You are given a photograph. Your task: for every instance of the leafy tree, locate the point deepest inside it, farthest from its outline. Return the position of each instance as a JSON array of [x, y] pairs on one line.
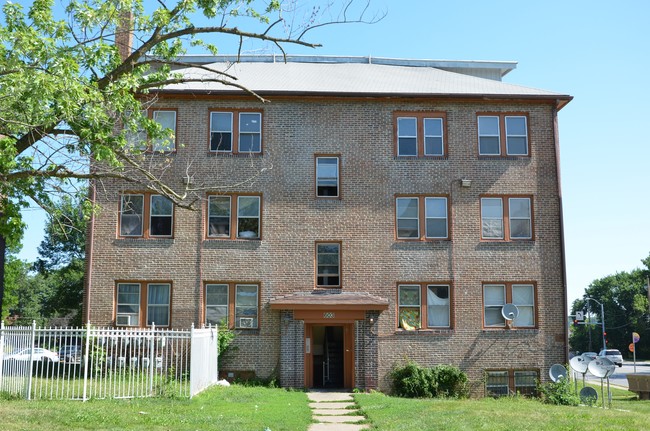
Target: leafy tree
[[625, 302], [72, 100]]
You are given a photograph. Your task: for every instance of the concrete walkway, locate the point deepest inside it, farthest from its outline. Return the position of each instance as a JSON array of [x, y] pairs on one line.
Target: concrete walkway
[[334, 411]]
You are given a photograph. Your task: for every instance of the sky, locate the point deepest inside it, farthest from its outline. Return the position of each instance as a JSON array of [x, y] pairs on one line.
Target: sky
[[596, 51]]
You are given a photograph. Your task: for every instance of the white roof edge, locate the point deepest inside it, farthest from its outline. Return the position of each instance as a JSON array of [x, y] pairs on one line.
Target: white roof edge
[[503, 66]]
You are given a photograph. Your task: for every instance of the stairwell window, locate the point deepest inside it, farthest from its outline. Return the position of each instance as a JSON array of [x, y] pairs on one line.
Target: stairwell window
[[327, 176], [236, 132], [328, 264]]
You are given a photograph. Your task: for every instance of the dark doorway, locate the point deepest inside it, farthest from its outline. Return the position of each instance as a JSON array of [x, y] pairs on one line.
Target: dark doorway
[[328, 356]]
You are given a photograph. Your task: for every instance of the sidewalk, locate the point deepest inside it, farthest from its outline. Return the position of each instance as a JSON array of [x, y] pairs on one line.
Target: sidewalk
[[334, 411]]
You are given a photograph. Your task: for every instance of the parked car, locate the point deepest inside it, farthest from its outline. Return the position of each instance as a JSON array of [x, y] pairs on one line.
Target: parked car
[[70, 353], [613, 355], [590, 355], [40, 354]]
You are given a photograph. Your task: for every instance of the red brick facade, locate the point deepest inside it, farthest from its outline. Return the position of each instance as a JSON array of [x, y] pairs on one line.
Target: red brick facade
[[361, 131]]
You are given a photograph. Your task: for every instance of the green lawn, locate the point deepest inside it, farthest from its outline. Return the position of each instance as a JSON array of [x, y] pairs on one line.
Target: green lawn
[[516, 414], [235, 408], [240, 408]]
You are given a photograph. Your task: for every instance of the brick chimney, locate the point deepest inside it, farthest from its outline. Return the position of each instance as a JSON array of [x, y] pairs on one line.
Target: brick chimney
[[124, 34]]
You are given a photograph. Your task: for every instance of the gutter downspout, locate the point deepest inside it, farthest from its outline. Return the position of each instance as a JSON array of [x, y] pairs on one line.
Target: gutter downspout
[[556, 140], [90, 239]]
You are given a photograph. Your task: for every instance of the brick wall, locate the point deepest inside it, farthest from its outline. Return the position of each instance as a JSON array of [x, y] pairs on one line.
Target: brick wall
[[282, 262]]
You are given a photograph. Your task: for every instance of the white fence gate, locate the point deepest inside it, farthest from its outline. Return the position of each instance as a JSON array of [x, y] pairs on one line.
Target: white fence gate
[[84, 363]]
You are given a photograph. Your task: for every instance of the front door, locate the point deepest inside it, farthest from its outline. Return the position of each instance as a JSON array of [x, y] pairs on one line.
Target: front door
[[329, 356]]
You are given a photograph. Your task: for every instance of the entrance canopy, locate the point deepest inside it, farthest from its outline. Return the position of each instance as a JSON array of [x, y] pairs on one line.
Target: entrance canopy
[[356, 301]]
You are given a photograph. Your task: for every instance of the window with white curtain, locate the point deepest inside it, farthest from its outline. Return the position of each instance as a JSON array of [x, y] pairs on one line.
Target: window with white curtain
[[424, 305], [495, 296], [437, 306], [523, 296], [158, 296]]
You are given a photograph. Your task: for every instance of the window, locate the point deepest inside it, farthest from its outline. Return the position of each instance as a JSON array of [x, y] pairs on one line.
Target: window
[[167, 120], [234, 216], [506, 218], [327, 176], [491, 142], [235, 132], [146, 216], [504, 382], [236, 304], [150, 301], [496, 383], [413, 312], [420, 134], [496, 295], [328, 264], [421, 217]]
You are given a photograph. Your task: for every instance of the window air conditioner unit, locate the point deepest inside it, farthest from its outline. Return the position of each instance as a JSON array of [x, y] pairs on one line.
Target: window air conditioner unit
[[123, 320], [246, 322]]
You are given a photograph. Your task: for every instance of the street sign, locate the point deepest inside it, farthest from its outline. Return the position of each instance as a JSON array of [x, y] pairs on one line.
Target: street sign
[[635, 337], [580, 315], [631, 347]]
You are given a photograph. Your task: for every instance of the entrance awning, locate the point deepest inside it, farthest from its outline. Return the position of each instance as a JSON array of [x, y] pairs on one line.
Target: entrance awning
[[328, 300]]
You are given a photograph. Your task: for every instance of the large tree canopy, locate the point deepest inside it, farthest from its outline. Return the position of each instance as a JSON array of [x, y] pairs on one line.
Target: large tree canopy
[[625, 302], [67, 94]]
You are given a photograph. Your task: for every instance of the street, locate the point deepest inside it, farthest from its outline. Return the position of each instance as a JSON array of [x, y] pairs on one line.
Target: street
[[619, 377]]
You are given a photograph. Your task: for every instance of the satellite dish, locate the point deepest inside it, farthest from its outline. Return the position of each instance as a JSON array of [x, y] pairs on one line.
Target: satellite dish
[[557, 372], [579, 364], [510, 311], [601, 367], [588, 395]]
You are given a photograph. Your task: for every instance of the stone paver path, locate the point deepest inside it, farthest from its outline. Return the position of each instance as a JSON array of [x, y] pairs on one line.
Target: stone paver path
[[333, 411]]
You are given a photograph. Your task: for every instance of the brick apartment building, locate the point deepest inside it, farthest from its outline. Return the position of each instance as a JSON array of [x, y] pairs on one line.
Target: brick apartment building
[[378, 211]]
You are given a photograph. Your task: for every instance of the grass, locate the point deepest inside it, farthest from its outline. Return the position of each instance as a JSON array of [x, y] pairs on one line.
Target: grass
[[234, 408], [392, 414], [257, 408]]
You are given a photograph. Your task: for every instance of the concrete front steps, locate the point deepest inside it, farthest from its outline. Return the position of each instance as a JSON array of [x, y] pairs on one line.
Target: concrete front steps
[[332, 411]]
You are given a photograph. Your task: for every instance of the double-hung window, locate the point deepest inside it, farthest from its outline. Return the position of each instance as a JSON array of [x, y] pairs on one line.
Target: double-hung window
[[235, 304], [506, 218], [328, 264], [422, 217], [424, 305], [492, 141], [236, 132], [146, 215], [327, 176], [143, 304], [496, 295], [234, 216], [420, 134]]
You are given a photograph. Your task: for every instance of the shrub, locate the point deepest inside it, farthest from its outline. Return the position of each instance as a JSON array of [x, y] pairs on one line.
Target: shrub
[[413, 381], [559, 393], [225, 337]]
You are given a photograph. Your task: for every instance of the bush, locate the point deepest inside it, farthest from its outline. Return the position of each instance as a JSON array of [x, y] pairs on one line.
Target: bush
[[560, 393], [225, 337], [413, 381]]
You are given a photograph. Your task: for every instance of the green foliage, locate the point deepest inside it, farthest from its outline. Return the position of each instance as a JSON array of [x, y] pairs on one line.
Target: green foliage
[[625, 303], [560, 393], [225, 337], [413, 381]]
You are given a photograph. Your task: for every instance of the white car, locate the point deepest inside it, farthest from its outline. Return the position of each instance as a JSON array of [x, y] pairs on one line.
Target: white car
[[613, 355], [40, 354]]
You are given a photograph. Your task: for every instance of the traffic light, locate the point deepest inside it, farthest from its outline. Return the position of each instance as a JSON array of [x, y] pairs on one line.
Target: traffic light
[[576, 322]]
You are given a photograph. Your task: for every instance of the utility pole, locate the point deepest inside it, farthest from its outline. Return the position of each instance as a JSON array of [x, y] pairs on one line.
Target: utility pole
[[602, 317]]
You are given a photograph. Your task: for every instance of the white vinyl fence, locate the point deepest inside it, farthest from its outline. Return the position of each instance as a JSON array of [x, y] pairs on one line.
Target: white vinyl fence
[[85, 363]]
